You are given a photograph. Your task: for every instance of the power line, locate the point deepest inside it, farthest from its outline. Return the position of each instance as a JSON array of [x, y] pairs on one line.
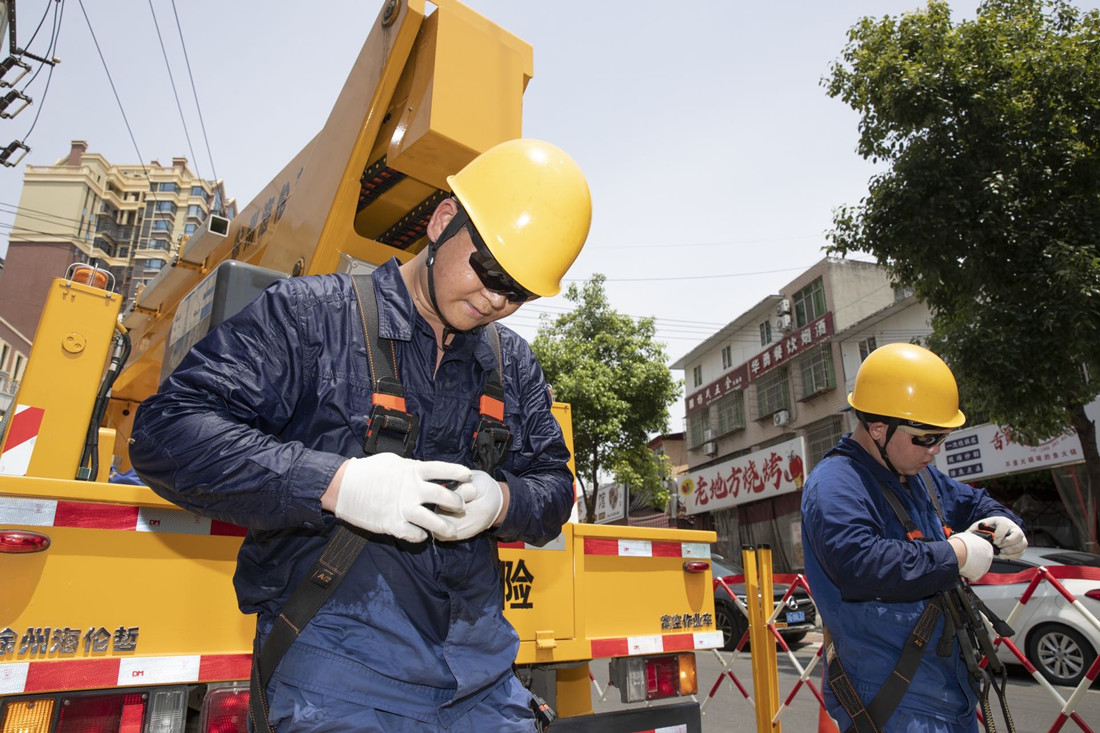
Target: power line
[[195, 92], [113, 89], [172, 80]]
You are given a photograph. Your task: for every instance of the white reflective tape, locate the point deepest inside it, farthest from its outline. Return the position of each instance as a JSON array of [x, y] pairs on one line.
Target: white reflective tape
[[152, 519], [695, 549], [33, 512], [707, 639], [13, 677], [681, 728], [645, 645], [16, 460], [635, 548], [158, 670]]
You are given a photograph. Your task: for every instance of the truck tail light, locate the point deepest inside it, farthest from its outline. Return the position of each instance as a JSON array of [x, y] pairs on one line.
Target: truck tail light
[[654, 677], [28, 716], [225, 710], [121, 712], [155, 710]]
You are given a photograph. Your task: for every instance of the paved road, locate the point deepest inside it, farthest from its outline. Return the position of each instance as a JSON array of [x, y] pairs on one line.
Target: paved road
[[1033, 710]]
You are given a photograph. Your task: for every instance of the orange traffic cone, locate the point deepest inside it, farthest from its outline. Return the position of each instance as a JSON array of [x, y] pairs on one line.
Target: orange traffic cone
[[825, 723]]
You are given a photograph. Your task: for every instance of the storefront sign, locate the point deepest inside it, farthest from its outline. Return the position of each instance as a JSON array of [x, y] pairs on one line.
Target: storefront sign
[[760, 475], [790, 346], [986, 451]]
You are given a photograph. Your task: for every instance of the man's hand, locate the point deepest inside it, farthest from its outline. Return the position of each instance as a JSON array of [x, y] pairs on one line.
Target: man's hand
[[974, 553], [1007, 535], [386, 493], [483, 500]]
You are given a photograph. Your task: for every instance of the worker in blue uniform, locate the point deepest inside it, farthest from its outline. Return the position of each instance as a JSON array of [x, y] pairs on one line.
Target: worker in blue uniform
[[871, 576], [263, 425]]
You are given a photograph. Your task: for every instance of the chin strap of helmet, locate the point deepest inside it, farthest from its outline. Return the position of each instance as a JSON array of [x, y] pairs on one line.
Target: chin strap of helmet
[[453, 227], [891, 428]]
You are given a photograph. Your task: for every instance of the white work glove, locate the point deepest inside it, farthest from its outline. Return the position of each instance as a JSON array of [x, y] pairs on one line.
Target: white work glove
[[1007, 535], [386, 493], [483, 499], [979, 554]]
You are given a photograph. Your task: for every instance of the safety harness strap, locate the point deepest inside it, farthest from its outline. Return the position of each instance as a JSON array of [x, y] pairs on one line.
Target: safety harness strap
[[391, 428]]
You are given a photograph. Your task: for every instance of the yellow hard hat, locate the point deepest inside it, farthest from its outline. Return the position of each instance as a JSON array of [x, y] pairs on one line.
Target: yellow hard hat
[[910, 383], [530, 203]]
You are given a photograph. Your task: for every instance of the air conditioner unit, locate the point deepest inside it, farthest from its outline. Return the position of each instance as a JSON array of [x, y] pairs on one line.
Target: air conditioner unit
[[782, 418], [783, 307], [708, 434], [783, 323], [710, 448]]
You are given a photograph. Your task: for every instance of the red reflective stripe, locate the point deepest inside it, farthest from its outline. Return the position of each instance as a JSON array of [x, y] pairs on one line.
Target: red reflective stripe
[[492, 407], [597, 546], [678, 642], [610, 648], [72, 675], [225, 529], [510, 545], [95, 516], [225, 667], [668, 549]]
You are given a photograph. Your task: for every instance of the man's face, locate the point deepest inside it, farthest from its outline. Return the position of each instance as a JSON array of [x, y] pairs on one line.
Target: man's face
[[460, 294], [904, 449]]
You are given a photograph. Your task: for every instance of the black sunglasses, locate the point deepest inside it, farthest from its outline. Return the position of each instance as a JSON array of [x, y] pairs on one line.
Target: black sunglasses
[[924, 440], [493, 276]]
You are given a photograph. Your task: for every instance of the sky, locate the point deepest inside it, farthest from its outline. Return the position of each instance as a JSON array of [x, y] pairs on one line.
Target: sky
[[714, 155]]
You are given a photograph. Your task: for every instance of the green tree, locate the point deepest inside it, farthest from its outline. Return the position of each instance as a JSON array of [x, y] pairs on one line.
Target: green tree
[[612, 372], [989, 206]]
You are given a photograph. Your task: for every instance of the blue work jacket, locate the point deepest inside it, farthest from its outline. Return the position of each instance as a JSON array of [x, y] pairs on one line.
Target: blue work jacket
[[256, 420], [871, 583]]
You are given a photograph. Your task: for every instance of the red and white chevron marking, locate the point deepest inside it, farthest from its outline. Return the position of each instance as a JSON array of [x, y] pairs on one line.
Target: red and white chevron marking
[[22, 435], [88, 515], [84, 674], [645, 548], [658, 644]]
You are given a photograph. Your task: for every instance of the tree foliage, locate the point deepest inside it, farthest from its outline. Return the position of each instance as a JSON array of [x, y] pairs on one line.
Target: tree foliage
[[989, 207], [612, 372]]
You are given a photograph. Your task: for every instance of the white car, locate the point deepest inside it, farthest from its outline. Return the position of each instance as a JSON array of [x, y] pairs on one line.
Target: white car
[[1054, 635]]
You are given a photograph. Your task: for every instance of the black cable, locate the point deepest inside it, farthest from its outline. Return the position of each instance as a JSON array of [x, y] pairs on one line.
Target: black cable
[[113, 89], [187, 61], [172, 80]]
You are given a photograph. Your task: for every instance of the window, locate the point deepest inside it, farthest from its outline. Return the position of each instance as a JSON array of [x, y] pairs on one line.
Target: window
[[821, 436], [198, 191], [697, 427], [772, 394], [866, 346], [162, 225], [817, 371], [727, 357], [194, 211], [165, 207], [765, 333], [731, 412], [161, 244], [17, 367], [697, 375], [809, 303], [189, 229], [4, 356], [153, 265], [168, 187]]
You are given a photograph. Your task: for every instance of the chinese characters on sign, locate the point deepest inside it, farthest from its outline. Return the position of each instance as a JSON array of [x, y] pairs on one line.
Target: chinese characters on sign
[[790, 346], [760, 475], [986, 450], [517, 584], [46, 640], [686, 621]]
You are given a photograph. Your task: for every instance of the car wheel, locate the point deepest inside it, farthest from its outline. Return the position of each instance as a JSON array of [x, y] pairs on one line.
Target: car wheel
[[732, 625], [793, 639], [1061, 654]]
